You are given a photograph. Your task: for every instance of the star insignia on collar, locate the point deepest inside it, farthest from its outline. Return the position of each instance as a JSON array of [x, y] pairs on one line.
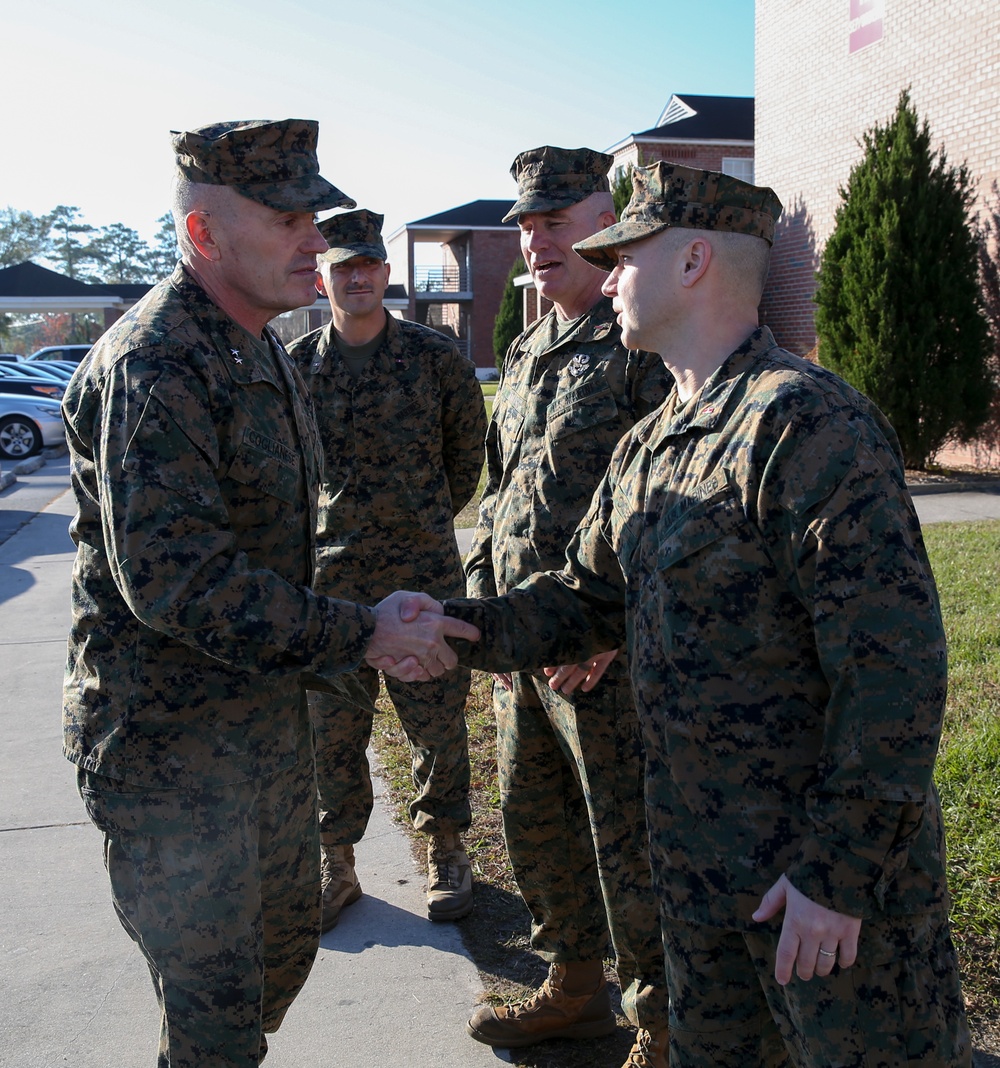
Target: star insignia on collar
[[236, 355]]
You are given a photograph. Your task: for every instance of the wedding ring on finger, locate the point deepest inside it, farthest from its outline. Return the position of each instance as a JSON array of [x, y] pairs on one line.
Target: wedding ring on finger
[[827, 952]]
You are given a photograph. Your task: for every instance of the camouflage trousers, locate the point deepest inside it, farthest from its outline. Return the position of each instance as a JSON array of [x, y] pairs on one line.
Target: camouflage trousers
[[899, 1005], [220, 890], [432, 715], [571, 791]]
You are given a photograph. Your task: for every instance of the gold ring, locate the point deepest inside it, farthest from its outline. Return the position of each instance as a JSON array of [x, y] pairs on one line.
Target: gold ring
[[828, 953]]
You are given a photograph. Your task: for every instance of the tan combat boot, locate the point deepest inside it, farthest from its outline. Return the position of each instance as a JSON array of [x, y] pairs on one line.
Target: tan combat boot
[[339, 881], [550, 1012], [651, 1050], [449, 878]]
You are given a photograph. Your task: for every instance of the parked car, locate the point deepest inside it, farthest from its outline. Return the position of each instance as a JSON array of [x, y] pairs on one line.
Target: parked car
[[66, 353], [28, 424], [10, 357], [21, 371], [33, 387], [60, 369]]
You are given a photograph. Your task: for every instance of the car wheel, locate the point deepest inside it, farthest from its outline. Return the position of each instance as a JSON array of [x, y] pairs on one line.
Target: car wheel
[[19, 438]]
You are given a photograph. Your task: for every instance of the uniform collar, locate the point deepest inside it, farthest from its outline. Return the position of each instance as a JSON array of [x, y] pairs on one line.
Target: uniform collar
[[598, 324], [708, 408], [229, 339]]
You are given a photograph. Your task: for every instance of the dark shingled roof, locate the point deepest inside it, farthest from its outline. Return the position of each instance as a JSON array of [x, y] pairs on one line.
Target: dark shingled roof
[[716, 118], [29, 280], [475, 213]]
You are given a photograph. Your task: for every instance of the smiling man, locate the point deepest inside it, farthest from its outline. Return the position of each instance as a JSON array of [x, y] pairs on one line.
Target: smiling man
[[195, 465], [570, 756], [402, 422]]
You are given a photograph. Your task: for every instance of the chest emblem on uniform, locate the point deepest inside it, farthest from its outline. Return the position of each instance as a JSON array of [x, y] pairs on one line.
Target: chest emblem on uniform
[[236, 356], [579, 364]]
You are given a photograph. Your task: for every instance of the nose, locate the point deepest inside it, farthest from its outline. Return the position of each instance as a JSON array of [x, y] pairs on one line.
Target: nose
[[533, 240], [610, 287], [315, 242]]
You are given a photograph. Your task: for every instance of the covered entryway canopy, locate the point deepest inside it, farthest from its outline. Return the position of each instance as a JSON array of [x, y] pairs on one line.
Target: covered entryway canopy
[[29, 289]]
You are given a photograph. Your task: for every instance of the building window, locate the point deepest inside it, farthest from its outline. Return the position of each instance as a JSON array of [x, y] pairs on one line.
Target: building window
[[737, 167]]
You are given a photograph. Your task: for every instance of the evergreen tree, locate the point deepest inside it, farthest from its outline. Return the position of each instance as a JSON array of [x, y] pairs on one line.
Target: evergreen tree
[[71, 255], [510, 320], [23, 236], [162, 257], [621, 189], [122, 254], [899, 309]]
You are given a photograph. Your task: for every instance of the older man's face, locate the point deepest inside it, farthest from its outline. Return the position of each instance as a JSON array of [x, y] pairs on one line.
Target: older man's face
[[268, 257], [547, 238]]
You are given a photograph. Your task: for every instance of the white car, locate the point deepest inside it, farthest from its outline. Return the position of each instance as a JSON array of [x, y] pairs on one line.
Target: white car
[[27, 425]]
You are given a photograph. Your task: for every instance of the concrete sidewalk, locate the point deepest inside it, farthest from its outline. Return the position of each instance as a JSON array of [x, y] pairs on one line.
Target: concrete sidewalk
[[388, 986]]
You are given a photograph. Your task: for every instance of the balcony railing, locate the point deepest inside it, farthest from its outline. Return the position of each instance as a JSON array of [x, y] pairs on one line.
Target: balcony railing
[[441, 280]]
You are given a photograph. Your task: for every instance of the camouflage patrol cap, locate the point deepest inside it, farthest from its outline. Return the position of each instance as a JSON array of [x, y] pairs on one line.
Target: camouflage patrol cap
[[353, 233], [273, 163], [549, 178], [667, 194]]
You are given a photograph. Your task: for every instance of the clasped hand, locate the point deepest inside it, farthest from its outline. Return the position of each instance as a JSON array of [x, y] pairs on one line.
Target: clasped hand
[[409, 639]]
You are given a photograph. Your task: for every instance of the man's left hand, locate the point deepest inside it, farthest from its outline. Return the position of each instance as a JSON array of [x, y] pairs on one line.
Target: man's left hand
[[587, 674], [813, 938]]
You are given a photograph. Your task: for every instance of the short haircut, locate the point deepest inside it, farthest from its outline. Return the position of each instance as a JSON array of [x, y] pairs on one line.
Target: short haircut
[[191, 196]]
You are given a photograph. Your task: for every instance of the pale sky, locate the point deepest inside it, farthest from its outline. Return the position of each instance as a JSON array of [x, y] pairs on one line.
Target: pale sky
[[422, 106]]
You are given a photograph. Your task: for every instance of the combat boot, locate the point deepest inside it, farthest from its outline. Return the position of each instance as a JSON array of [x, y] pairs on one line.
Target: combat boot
[[550, 1012], [449, 878], [651, 1050], [339, 881]]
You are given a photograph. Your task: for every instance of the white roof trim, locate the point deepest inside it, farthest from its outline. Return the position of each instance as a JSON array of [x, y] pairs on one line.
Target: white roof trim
[[675, 111]]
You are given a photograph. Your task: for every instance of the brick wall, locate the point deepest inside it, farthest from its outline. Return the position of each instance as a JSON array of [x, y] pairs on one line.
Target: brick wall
[[692, 154], [493, 252], [815, 98]]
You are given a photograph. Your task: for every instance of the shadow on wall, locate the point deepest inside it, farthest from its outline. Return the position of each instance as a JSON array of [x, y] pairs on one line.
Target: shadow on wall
[[787, 306]]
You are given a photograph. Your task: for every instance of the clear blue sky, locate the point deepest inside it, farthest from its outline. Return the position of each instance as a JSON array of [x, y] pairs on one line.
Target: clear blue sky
[[422, 105]]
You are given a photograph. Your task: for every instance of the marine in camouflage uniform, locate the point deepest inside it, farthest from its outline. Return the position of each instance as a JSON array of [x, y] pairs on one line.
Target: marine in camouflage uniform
[[402, 421], [195, 458], [570, 764], [756, 542]]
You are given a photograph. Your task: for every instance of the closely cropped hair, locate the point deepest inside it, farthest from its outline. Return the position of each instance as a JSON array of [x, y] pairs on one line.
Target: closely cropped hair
[[191, 196], [746, 258]]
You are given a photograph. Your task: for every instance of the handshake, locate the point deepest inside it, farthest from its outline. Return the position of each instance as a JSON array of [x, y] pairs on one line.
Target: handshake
[[409, 640]]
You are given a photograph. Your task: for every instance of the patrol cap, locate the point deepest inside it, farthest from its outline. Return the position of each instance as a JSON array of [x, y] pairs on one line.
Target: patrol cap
[[549, 178], [352, 233], [273, 163], [667, 194]]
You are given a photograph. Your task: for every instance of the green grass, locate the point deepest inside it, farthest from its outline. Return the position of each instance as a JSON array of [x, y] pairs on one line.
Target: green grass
[[469, 514], [966, 561]]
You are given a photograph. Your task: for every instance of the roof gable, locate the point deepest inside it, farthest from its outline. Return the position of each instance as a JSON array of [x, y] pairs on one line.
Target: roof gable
[[479, 213], [704, 118]]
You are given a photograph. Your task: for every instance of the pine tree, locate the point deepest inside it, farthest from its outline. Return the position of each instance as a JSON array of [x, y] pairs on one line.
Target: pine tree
[[621, 189], [899, 309], [510, 320]]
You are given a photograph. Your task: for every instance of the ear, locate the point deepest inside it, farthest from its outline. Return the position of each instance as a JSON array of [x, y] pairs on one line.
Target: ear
[[199, 230], [320, 284], [696, 257], [606, 219], [387, 269]]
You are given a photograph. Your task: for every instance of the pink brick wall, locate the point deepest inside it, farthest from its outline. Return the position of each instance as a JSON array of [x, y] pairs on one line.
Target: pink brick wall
[[814, 99]]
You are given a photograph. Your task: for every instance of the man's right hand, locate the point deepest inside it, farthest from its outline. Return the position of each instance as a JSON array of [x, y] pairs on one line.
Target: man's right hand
[[409, 640]]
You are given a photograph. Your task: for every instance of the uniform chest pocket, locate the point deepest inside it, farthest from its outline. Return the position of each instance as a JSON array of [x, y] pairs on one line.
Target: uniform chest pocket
[[264, 464], [585, 410], [720, 596]]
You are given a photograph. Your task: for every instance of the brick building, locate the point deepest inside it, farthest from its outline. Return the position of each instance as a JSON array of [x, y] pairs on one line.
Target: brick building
[[455, 283], [712, 132], [828, 71]]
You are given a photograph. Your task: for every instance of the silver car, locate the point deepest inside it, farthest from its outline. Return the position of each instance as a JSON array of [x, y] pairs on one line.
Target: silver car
[[27, 425]]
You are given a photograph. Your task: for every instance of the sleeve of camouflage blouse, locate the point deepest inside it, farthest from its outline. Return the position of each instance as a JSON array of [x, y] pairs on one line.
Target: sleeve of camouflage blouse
[[553, 617], [464, 415], [855, 550], [174, 557]]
